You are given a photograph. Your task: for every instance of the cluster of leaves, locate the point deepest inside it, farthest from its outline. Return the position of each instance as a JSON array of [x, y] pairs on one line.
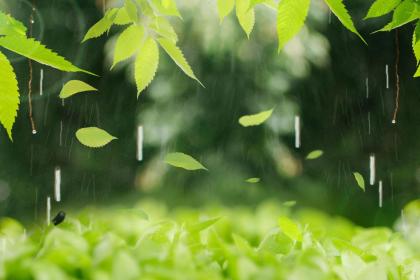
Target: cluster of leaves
[[270, 242], [13, 37]]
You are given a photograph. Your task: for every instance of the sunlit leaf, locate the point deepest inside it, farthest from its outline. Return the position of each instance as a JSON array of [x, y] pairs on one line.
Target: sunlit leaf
[[315, 154], [11, 26], [102, 26], [245, 15], [257, 119], [94, 137], [253, 180], [164, 28], [166, 7], [178, 57], [290, 19], [359, 180], [75, 86], [338, 8], [184, 161], [128, 43], [146, 64], [224, 8], [405, 12], [203, 225], [290, 228], [382, 7], [416, 42], [9, 95], [34, 50], [122, 17], [131, 9]]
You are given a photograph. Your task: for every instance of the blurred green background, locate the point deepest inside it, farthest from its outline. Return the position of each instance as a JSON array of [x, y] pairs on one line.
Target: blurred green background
[[320, 75]]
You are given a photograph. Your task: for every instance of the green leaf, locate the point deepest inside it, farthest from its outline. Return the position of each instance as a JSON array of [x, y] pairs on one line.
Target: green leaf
[[202, 225], [102, 26], [11, 26], [290, 229], [224, 8], [338, 8], [128, 43], [257, 119], [178, 57], [382, 7], [360, 180], [75, 86], [184, 161], [405, 12], [315, 154], [416, 42], [166, 7], [246, 16], [417, 74], [253, 180], [131, 9], [290, 19], [289, 203], [94, 137], [9, 95], [34, 50], [146, 64], [164, 28], [121, 18]]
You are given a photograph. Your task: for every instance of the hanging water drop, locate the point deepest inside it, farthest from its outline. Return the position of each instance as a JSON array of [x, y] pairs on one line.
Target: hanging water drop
[[57, 184], [297, 132], [140, 143], [372, 169]]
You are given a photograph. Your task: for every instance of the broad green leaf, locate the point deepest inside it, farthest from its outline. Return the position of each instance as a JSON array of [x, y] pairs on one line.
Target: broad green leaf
[[257, 119], [131, 9], [34, 50], [338, 8], [405, 12], [224, 8], [166, 7], [11, 26], [246, 16], [416, 42], [178, 57], [128, 43], [382, 7], [102, 26], [164, 28], [359, 180], [9, 95], [290, 19], [290, 228], [184, 161], [75, 86], [146, 64], [253, 180], [315, 154], [94, 137]]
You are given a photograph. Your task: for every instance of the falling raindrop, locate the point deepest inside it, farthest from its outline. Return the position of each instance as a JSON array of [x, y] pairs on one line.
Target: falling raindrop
[[41, 81], [57, 184], [32, 21], [297, 132], [61, 133], [372, 169], [48, 210], [404, 222], [367, 87], [369, 125], [34, 131], [140, 143], [387, 76], [380, 193]]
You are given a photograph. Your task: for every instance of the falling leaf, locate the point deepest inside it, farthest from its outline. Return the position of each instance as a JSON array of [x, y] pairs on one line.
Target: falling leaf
[[94, 137], [359, 179], [75, 86], [184, 161], [290, 203], [315, 154], [257, 119], [253, 180]]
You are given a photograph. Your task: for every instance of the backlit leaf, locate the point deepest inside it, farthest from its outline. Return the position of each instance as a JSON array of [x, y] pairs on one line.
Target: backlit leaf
[[75, 86], [202, 225], [166, 7], [164, 28], [315, 154], [94, 137], [128, 43], [184, 161], [146, 64], [245, 15], [359, 180], [257, 119], [416, 42], [290, 19], [11, 26], [122, 17], [102, 26], [382, 7], [253, 180], [405, 12], [9, 95], [290, 228], [224, 8], [131, 9]]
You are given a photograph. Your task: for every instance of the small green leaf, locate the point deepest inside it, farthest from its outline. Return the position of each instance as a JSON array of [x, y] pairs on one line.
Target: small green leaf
[[405, 12], [34, 50], [94, 137], [128, 43], [359, 179], [290, 203], [224, 8], [102, 26], [382, 7], [75, 86], [253, 180], [245, 15], [290, 229], [9, 95], [290, 19], [146, 64], [11, 26], [178, 57], [257, 119], [315, 154], [184, 161], [338, 8]]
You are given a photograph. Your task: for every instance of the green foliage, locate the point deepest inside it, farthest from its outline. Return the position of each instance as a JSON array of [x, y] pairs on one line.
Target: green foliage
[[184, 161], [269, 242], [382, 7], [245, 15], [405, 12], [11, 26], [94, 137], [253, 180], [73, 87], [128, 43], [102, 26], [224, 8], [146, 64], [359, 180], [256, 119], [315, 154]]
